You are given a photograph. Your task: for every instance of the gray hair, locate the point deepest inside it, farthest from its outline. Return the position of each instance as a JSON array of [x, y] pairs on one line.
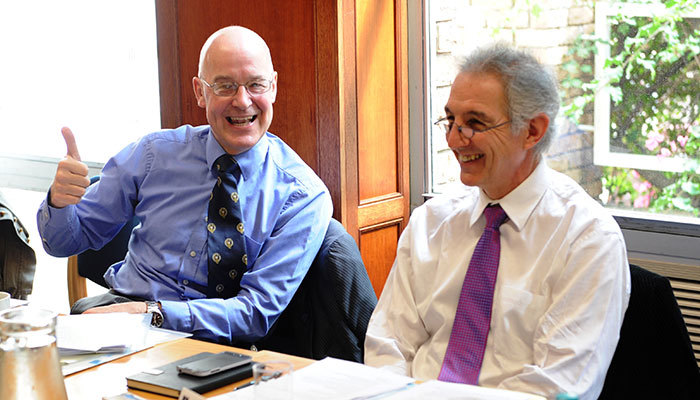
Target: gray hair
[[529, 86]]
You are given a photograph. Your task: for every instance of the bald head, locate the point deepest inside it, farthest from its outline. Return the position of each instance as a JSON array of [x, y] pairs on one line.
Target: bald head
[[233, 39], [233, 57]]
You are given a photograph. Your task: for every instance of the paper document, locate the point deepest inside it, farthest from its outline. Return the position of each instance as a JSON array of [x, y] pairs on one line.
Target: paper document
[[457, 391], [87, 340], [100, 333], [336, 379], [16, 303]]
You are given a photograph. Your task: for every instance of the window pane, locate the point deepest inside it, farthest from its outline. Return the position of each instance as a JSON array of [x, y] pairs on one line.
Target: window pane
[[90, 65], [632, 141]]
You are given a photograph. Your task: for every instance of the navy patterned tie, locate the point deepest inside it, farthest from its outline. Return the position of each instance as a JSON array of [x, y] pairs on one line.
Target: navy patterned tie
[[225, 241]]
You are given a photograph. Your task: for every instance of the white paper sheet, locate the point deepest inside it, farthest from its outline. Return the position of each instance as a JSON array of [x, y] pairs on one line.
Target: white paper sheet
[[456, 391], [336, 379], [87, 340], [100, 333]]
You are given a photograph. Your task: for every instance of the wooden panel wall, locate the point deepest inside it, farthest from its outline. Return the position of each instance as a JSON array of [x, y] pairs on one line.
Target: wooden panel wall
[[183, 26], [341, 102], [376, 91], [382, 132]]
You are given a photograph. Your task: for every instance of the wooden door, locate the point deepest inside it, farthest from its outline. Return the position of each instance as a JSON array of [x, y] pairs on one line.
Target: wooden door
[[382, 104], [341, 102]]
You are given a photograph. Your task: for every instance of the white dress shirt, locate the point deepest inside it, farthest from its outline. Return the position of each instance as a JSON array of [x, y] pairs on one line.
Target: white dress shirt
[[561, 293]]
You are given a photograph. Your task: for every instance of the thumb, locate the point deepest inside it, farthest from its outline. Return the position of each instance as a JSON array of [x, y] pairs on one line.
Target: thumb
[[70, 143]]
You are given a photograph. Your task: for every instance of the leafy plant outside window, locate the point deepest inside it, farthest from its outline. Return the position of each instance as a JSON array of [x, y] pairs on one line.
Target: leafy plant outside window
[[653, 77]]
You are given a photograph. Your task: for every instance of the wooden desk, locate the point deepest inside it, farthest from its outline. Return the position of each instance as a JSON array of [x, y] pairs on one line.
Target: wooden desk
[[110, 378]]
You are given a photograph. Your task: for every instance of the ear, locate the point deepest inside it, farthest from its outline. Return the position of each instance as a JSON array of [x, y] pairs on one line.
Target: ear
[[273, 91], [199, 92], [536, 129]]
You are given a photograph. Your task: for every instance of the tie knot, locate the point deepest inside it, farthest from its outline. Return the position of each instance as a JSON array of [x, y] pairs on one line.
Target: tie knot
[[225, 164], [495, 216]]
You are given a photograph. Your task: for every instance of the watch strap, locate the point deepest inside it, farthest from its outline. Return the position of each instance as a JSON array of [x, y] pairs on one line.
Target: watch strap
[[153, 307]]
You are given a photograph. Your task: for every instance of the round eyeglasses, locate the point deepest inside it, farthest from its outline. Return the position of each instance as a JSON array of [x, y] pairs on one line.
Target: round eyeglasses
[[465, 131], [230, 88]]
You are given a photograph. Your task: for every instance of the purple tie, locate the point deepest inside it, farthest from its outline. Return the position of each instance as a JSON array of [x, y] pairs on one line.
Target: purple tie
[[465, 351]]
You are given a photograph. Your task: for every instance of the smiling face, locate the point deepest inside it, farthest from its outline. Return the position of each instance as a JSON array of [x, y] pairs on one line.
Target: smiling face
[[236, 55], [495, 160]]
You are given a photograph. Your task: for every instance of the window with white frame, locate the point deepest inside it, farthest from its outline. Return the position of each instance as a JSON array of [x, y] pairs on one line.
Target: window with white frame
[[89, 65], [629, 73]]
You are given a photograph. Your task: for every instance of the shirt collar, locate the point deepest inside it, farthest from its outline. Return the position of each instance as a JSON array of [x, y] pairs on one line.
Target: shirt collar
[[249, 161], [521, 201]]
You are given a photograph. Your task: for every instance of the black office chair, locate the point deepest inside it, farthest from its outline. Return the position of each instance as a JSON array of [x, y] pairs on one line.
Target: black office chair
[[329, 313], [92, 264], [654, 358]]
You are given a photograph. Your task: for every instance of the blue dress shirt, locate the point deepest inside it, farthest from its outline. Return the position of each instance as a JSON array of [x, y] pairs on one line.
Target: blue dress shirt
[[165, 179]]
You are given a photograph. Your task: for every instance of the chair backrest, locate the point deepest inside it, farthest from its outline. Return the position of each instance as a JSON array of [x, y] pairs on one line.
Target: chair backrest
[[654, 358], [92, 264], [329, 313]]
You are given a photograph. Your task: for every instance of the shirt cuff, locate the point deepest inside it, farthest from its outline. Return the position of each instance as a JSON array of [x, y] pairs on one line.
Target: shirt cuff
[[176, 315]]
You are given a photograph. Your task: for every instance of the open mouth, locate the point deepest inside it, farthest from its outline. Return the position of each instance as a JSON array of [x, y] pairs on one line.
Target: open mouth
[[241, 121], [470, 157]]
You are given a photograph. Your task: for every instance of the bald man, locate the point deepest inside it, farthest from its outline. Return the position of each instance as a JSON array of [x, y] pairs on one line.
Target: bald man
[[166, 180]]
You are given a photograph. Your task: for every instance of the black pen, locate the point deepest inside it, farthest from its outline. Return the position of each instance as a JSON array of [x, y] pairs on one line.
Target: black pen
[[245, 385]]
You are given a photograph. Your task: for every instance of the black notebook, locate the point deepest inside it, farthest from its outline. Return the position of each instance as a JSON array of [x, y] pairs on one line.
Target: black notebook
[[170, 382]]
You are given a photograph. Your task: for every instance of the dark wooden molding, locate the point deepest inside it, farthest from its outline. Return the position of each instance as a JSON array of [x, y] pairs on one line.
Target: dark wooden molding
[[168, 63]]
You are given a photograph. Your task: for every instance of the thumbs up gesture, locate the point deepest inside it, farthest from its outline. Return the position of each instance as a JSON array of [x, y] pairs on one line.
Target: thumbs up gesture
[[71, 178]]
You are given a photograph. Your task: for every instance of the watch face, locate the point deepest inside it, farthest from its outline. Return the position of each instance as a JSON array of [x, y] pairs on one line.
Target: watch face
[[157, 319]]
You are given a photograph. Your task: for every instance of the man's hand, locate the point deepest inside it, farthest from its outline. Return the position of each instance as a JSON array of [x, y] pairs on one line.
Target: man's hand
[[71, 178], [132, 307]]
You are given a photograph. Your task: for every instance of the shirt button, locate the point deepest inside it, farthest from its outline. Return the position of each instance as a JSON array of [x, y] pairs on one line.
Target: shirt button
[[193, 253], [232, 274], [185, 282], [219, 288]]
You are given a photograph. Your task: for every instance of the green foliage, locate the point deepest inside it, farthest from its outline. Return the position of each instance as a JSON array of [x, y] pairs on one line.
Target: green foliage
[[653, 77]]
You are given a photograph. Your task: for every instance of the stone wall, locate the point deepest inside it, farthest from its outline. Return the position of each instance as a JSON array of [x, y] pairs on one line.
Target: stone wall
[[548, 29]]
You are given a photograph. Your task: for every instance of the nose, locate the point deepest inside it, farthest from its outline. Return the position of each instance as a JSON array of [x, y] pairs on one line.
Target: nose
[[241, 99], [455, 139]]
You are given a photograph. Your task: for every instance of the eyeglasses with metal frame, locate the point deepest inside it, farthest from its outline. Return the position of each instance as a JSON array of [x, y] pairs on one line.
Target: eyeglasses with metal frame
[[465, 131], [230, 88]]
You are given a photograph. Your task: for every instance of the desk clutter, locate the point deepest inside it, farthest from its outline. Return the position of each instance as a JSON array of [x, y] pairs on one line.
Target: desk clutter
[[100, 333], [152, 374], [87, 340], [167, 379], [336, 379]]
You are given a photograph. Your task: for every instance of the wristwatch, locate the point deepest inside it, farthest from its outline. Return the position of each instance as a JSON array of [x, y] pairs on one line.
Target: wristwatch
[[153, 307]]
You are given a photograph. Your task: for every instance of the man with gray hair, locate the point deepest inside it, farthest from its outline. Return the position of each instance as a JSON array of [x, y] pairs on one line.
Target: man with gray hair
[[519, 282], [231, 217]]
